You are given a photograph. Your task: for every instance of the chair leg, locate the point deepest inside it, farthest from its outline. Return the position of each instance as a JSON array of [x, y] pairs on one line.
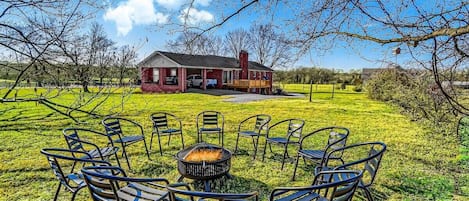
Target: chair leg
[[169, 138], [151, 140], [159, 144], [57, 192], [126, 158], [265, 147], [255, 147], [296, 166], [236, 145], [146, 148], [367, 193], [284, 155], [182, 140], [75, 194], [117, 159]]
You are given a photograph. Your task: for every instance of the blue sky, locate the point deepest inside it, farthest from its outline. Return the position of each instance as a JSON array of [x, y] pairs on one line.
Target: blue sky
[[146, 24]]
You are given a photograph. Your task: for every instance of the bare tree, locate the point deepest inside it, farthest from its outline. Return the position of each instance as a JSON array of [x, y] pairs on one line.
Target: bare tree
[[237, 40], [270, 48], [125, 60], [190, 43]]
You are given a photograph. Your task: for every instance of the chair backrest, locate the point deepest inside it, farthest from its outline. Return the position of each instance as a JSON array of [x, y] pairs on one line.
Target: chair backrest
[[210, 119], [262, 122], [159, 119], [369, 163], [55, 156], [196, 195], [295, 127], [337, 139], [105, 183], [102, 182], [112, 126], [327, 185], [72, 139]]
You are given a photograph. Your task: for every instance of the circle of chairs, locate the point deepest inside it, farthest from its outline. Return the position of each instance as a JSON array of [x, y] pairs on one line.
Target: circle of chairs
[[336, 175]]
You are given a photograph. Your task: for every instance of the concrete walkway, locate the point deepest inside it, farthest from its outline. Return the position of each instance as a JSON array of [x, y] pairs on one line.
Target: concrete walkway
[[240, 97]]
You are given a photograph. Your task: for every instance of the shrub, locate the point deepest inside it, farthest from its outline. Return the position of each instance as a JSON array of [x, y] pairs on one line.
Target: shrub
[[417, 95]]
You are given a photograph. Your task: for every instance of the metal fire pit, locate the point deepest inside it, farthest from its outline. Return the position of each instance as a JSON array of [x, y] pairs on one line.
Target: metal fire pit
[[203, 170]]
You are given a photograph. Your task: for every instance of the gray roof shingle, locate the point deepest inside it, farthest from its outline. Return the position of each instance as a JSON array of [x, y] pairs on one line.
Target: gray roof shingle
[[210, 61]]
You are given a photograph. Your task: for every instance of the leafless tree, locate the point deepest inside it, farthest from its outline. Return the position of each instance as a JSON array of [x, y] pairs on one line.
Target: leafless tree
[[190, 43], [125, 60], [270, 48], [237, 40]]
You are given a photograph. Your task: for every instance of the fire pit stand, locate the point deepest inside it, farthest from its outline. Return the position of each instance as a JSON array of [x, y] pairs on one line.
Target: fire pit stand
[[203, 170]]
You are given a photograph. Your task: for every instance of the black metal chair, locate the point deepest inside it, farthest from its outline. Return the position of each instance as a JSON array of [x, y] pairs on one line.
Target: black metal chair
[[291, 135], [253, 127], [210, 122], [165, 124], [112, 183], [58, 159], [177, 194], [337, 138], [76, 143], [114, 131], [327, 185], [369, 162]]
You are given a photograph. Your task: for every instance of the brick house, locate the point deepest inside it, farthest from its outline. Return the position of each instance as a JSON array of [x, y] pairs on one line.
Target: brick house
[[168, 72]]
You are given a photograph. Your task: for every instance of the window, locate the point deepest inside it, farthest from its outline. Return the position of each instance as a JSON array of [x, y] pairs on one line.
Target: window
[[227, 77], [156, 74], [174, 72]]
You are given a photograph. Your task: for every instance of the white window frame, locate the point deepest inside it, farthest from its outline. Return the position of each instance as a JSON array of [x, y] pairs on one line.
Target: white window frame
[[229, 75], [156, 75]]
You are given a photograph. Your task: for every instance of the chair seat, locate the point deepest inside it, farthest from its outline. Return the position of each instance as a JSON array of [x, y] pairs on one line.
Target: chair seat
[[106, 152], [128, 139], [210, 130], [342, 176], [170, 131], [281, 140], [314, 154], [77, 179], [136, 191], [303, 195], [249, 133]]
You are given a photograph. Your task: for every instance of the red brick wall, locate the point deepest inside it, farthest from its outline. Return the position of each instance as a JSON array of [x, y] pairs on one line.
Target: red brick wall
[[147, 74], [153, 87]]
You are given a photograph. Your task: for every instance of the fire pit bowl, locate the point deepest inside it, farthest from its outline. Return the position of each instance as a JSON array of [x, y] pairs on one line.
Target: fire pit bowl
[[203, 161]]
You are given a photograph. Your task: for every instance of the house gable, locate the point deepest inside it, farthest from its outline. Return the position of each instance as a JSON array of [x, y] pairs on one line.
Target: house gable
[[158, 61]]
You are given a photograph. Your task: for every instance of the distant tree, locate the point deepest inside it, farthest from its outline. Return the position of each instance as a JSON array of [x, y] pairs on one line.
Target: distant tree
[[125, 60], [237, 40], [270, 48], [190, 43]]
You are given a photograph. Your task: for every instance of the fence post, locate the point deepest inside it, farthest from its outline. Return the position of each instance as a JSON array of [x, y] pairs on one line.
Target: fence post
[[310, 90]]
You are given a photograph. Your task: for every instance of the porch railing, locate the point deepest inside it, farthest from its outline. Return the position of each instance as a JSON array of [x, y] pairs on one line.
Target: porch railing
[[248, 84]]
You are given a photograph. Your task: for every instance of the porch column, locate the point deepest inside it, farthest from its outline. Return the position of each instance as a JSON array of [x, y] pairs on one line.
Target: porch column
[[180, 79], [204, 79], [162, 75]]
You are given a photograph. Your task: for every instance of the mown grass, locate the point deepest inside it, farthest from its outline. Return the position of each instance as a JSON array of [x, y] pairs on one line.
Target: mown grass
[[418, 164]]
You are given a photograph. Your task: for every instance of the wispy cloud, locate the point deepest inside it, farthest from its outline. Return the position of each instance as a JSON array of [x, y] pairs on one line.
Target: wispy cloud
[[193, 16], [176, 4], [134, 12]]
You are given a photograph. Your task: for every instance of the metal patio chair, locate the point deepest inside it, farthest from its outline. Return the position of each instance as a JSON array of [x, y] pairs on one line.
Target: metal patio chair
[[253, 127], [165, 124], [337, 138], [369, 162], [112, 183], [114, 131], [59, 159], [177, 194], [75, 143], [210, 122], [291, 135], [327, 185]]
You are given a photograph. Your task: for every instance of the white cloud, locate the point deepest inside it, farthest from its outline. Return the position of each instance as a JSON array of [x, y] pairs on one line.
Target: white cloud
[[195, 16], [134, 12], [176, 4]]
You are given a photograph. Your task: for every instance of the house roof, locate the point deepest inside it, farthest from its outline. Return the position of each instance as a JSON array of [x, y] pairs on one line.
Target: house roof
[[205, 61]]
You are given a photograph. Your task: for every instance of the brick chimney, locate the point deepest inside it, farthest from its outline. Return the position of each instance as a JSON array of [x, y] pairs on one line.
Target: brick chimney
[[243, 63]]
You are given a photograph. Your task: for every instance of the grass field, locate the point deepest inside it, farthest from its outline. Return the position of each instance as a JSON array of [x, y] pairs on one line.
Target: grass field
[[418, 165]]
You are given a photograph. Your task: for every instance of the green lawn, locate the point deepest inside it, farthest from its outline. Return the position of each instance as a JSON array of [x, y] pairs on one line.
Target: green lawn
[[418, 165]]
